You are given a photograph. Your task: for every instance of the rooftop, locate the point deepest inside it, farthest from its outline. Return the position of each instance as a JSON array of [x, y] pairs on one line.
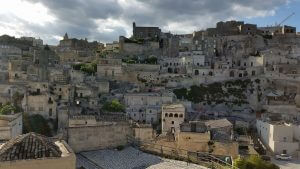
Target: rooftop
[[173, 106], [218, 123], [29, 146], [129, 158]]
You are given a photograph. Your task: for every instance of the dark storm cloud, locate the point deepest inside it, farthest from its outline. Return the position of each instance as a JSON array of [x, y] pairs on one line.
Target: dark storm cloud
[[78, 17]]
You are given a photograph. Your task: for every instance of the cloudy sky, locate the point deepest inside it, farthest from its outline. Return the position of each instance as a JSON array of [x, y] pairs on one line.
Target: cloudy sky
[[105, 20]]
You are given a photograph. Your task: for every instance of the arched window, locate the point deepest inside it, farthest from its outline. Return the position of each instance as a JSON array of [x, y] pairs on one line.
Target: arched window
[[196, 72], [210, 73], [166, 115], [171, 115], [175, 115], [180, 115]]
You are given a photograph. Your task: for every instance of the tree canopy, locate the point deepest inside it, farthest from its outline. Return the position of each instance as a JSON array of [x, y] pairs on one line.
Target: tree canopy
[[113, 106], [36, 123], [7, 109], [254, 162], [89, 68]]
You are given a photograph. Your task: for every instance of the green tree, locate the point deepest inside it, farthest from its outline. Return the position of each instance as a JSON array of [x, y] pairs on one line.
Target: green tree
[[254, 162], [113, 106], [36, 123], [7, 109], [181, 93]]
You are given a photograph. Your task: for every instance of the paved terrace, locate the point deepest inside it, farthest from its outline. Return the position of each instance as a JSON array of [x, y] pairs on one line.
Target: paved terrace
[[129, 158]]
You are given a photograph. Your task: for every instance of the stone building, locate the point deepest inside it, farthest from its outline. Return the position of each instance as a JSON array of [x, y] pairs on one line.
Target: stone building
[[76, 44], [143, 132], [172, 116], [40, 103], [10, 126], [17, 70], [280, 137], [34, 151], [35, 42], [109, 68], [232, 28], [146, 107], [96, 132], [145, 32], [144, 48], [10, 52], [278, 30], [220, 129], [112, 47]]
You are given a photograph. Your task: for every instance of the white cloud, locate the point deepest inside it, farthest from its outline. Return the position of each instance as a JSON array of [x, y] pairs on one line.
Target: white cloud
[[105, 20], [31, 13]]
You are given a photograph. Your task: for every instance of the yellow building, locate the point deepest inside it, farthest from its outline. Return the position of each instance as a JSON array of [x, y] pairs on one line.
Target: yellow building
[[34, 151]]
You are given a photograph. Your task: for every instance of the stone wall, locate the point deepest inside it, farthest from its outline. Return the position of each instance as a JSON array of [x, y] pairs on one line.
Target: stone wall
[[98, 137]]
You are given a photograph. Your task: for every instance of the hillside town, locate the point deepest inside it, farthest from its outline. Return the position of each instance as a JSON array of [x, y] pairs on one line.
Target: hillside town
[[152, 100]]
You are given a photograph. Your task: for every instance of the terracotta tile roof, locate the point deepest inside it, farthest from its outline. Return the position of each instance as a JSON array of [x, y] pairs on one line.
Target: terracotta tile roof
[[29, 146]]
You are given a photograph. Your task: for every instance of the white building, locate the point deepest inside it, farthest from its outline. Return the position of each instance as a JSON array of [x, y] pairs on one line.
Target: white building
[[40, 103], [10, 126], [280, 137], [172, 116], [10, 52], [184, 61], [146, 107]]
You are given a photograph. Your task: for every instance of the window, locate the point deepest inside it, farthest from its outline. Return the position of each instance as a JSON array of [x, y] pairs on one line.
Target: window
[[180, 115], [172, 122], [171, 115], [176, 115], [166, 115], [231, 74], [50, 112]]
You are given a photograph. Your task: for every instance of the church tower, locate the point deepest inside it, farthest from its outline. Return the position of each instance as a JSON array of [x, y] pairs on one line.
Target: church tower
[[66, 37]]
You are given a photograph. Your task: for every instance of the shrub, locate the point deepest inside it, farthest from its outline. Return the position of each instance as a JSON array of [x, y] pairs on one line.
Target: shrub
[[113, 106], [36, 123], [253, 162], [7, 109]]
